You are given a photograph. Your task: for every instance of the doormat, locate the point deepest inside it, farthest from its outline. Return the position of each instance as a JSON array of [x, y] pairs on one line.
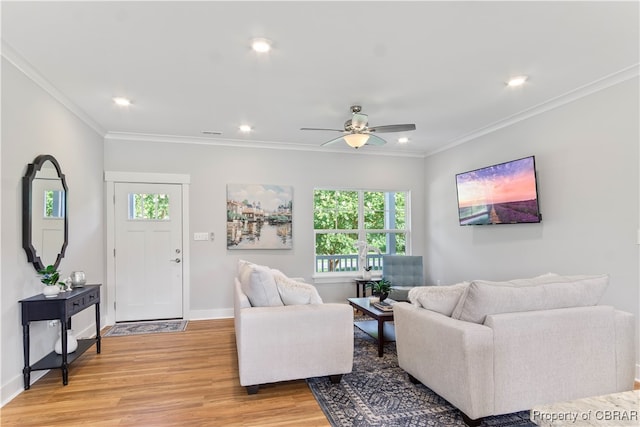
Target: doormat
[[378, 393], [137, 328]]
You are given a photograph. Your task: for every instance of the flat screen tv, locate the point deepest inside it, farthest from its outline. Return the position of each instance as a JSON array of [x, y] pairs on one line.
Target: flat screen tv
[[505, 193]]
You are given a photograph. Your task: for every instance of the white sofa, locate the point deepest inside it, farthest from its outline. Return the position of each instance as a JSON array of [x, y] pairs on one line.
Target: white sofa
[[278, 342], [492, 348]]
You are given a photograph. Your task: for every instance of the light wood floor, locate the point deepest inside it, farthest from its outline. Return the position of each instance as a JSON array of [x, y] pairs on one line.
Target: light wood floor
[[170, 379]]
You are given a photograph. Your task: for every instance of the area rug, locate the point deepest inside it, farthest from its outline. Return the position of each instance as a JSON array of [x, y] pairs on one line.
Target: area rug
[[137, 328], [379, 393]]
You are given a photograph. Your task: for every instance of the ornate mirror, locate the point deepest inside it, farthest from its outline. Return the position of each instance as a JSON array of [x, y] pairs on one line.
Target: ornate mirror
[[44, 212]]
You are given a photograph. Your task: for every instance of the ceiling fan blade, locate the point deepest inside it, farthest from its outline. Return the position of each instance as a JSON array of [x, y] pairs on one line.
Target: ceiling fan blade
[[375, 140], [333, 141], [392, 128], [359, 120], [336, 130]]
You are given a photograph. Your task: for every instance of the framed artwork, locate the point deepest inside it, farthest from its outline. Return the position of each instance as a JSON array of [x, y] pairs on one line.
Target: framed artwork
[[259, 216]]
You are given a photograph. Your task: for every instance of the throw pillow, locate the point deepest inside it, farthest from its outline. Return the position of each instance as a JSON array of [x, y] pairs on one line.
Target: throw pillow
[[441, 299], [532, 281], [258, 284], [484, 298], [293, 292], [244, 271]]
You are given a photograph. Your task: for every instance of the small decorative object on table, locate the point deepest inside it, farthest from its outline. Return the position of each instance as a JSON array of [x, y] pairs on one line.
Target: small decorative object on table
[[380, 288], [386, 305], [72, 343], [50, 278], [363, 249], [366, 274], [78, 279]]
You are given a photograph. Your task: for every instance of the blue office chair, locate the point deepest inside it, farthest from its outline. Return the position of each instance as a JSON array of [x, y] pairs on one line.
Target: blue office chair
[[404, 272]]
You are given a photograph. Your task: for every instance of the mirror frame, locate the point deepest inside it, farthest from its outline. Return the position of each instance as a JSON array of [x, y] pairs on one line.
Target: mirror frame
[[27, 214]]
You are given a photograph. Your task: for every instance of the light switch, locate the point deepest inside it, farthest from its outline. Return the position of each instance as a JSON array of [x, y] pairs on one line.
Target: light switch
[[201, 236]]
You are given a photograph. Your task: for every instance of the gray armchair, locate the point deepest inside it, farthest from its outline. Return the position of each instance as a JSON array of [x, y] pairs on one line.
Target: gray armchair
[[404, 272]]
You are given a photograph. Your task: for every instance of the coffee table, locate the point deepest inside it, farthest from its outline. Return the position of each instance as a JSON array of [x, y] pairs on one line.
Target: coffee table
[[379, 328]]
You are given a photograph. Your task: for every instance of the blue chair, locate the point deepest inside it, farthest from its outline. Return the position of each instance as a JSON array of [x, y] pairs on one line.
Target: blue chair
[[403, 272]]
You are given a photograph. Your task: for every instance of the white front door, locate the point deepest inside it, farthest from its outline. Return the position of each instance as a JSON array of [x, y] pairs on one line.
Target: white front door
[[148, 251]]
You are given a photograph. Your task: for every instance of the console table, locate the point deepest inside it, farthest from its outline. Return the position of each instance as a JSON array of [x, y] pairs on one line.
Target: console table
[[361, 284], [60, 307]]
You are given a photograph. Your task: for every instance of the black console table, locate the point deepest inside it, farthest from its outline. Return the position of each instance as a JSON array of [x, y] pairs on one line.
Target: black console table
[[60, 307]]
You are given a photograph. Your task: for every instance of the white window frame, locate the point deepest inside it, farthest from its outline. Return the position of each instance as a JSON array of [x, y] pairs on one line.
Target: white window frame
[[361, 231]]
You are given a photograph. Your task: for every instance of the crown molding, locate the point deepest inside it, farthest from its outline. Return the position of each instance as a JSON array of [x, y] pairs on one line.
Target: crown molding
[[605, 82], [27, 69], [580, 92], [237, 143]]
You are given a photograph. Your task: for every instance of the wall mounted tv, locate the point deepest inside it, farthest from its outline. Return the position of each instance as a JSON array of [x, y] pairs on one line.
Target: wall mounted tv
[[505, 193]]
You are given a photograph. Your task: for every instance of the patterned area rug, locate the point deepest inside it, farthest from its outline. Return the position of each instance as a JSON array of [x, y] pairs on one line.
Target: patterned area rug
[[379, 393], [137, 328]]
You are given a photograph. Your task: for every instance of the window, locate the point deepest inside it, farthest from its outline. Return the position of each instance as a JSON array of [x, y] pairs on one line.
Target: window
[[148, 206], [342, 218], [53, 204]]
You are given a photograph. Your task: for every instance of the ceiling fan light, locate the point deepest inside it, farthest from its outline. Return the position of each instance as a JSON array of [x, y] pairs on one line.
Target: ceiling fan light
[[356, 140]]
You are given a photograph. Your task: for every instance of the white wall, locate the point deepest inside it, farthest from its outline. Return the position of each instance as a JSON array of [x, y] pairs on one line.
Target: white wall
[[587, 157], [212, 167], [588, 181], [34, 123]]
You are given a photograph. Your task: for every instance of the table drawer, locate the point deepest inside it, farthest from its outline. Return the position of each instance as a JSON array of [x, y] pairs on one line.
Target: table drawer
[[92, 297], [76, 305], [79, 303]]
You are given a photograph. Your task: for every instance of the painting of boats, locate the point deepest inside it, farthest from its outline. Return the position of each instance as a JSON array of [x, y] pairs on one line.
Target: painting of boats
[[259, 216]]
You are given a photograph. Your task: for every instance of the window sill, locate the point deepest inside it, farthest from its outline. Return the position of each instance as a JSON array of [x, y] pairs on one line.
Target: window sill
[[332, 278]]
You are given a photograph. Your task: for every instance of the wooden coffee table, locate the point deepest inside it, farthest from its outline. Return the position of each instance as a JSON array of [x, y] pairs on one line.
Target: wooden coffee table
[[377, 328]]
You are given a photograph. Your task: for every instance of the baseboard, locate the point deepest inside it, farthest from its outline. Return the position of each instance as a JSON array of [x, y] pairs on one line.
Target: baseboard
[[15, 385], [220, 313]]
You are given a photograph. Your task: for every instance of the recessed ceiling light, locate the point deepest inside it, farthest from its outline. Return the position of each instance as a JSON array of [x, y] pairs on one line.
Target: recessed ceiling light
[[261, 45], [517, 81], [123, 102], [245, 128], [403, 140]]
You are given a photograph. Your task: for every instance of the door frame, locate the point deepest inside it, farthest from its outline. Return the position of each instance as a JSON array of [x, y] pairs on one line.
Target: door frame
[[113, 177]]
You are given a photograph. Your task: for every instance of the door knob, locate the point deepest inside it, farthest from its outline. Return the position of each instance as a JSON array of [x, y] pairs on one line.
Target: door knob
[[177, 260]]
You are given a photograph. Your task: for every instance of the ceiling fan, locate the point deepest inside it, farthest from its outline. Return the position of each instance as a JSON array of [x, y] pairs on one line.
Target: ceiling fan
[[358, 133]]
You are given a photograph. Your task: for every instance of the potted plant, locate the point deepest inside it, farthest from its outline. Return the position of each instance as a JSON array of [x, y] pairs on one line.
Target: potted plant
[[380, 288], [49, 276]]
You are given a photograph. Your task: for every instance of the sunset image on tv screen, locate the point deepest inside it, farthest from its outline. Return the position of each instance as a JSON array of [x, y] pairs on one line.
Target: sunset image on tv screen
[[498, 194]]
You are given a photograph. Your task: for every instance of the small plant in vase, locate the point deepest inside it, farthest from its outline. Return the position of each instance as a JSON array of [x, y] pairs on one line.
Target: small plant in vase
[[50, 277], [380, 288]]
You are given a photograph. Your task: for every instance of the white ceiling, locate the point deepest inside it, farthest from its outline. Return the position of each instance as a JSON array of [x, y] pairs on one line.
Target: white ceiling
[[188, 67]]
